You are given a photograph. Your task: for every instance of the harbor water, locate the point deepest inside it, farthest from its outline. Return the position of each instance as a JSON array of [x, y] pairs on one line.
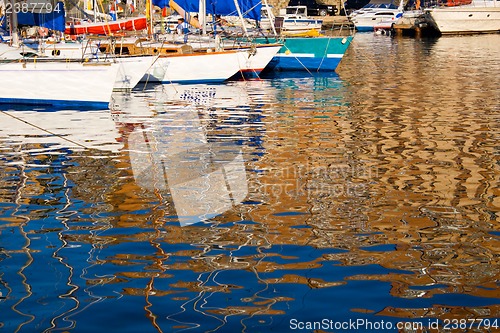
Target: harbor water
[[366, 200]]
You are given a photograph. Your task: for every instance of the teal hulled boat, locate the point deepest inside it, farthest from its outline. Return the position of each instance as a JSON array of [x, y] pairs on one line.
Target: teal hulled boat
[[322, 53]]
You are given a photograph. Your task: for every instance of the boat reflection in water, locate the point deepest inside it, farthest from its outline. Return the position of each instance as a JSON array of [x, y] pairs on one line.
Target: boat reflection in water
[[52, 129], [174, 158], [62, 210], [41, 264]]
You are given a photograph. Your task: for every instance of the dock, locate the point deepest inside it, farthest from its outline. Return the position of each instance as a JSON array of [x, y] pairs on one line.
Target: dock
[[415, 25], [333, 22]]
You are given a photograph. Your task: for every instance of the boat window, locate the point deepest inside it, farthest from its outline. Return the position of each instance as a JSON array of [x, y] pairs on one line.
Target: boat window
[[122, 50]]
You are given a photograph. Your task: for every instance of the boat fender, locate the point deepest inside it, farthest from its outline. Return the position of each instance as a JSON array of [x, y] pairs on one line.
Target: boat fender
[[43, 32], [252, 51], [218, 43]]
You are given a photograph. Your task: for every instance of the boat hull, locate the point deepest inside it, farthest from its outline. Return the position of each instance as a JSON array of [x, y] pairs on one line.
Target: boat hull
[[194, 68], [301, 24], [58, 83], [465, 19], [131, 71], [369, 21], [253, 60], [132, 67], [309, 54]]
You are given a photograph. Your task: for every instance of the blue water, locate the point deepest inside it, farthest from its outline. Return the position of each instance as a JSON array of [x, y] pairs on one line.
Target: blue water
[[345, 202]]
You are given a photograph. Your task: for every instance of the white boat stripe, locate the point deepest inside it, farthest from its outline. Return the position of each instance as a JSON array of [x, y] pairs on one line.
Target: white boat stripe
[[334, 55], [293, 55], [308, 55]]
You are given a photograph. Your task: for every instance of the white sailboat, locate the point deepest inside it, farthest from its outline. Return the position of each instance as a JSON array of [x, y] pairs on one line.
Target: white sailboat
[[196, 67], [179, 63], [57, 83], [51, 82], [251, 58], [131, 67]]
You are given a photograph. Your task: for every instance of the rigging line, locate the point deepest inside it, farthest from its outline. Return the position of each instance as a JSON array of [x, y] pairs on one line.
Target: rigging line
[[298, 60], [324, 55], [44, 130]]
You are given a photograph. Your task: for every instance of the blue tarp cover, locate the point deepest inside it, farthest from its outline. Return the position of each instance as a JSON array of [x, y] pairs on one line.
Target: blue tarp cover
[[249, 8], [53, 21]]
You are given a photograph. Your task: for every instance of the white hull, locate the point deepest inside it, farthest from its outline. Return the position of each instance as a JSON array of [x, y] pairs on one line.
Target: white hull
[[466, 19], [64, 50], [296, 25], [132, 70], [253, 60], [195, 67], [57, 83], [369, 20]]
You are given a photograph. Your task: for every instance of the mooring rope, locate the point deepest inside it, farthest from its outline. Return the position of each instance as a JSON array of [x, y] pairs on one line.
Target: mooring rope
[[43, 129]]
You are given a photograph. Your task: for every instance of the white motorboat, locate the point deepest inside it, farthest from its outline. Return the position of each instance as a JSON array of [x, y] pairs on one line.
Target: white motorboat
[[376, 13], [466, 17], [295, 20]]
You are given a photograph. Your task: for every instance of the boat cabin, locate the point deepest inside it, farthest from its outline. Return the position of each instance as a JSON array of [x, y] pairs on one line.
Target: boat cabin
[[144, 47]]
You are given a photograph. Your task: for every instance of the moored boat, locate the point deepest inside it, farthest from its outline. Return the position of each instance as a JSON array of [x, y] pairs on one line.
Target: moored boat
[[322, 53], [295, 20], [376, 15], [252, 57], [178, 62], [476, 16], [30, 79], [34, 81], [196, 67]]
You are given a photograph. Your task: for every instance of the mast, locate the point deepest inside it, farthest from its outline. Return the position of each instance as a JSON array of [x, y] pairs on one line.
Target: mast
[[270, 15], [202, 16], [14, 32], [94, 7], [149, 17], [237, 5]]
